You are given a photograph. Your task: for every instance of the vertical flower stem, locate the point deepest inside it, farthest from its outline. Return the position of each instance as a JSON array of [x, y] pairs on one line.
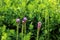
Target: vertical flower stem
[[48, 26], [37, 34], [22, 31], [24, 21], [25, 28], [17, 31]]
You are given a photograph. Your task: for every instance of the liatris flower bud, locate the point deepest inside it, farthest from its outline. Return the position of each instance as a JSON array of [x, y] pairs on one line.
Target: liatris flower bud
[[38, 29], [17, 20], [39, 24], [23, 22], [24, 19]]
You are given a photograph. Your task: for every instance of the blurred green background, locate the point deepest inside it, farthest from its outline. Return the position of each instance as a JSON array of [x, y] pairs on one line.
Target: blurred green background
[[46, 11]]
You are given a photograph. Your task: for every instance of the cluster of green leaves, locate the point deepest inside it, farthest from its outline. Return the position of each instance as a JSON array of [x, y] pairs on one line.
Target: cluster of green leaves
[[46, 11]]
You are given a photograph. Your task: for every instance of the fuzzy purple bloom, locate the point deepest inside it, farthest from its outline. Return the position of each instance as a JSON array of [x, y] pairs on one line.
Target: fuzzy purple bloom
[[39, 24], [24, 19], [17, 20]]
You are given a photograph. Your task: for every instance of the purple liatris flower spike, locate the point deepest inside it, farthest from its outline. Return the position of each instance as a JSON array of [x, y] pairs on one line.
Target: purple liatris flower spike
[[39, 24], [24, 19], [17, 20]]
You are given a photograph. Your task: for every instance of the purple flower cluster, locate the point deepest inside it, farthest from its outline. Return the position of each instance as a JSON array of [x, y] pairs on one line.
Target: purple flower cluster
[[39, 24], [24, 20], [17, 20]]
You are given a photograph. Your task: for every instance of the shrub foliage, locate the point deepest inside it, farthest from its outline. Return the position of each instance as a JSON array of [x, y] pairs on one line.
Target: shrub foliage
[[45, 11]]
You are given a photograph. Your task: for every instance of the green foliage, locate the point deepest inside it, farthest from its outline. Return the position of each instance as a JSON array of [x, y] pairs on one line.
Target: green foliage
[[27, 37], [46, 11]]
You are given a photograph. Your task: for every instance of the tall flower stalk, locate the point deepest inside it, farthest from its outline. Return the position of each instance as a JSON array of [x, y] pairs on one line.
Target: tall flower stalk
[[38, 29], [24, 23], [17, 21], [22, 30], [24, 27]]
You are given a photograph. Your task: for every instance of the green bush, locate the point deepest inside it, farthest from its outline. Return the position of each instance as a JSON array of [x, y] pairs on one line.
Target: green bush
[[45, 11]]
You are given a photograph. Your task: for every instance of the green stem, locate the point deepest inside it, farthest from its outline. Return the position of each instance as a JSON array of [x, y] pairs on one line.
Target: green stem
[[17, 31], [22, 31], [24, 28], [37, 34], [48, 26]]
